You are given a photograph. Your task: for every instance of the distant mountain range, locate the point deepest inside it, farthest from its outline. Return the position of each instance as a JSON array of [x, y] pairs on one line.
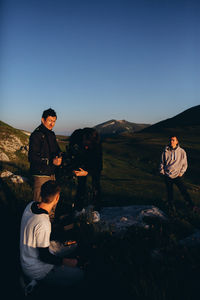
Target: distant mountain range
[[188, 119], [115, 127], [14, 142]]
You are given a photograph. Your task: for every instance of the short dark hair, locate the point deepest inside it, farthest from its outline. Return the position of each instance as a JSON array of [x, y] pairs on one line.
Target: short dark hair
[[90, 136], [48, 189], [49, 112], [173, 135]]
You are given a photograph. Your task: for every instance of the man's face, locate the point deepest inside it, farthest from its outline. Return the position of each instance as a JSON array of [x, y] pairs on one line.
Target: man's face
[[49, 122], [173, 142]]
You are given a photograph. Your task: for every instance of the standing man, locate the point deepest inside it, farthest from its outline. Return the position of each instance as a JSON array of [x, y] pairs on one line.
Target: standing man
[[44, 152], [173, 165], [85, 151]]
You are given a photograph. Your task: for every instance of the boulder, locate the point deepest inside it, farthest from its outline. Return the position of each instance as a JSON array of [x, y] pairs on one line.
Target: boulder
[[11, 144], [4, 157], [6, 174], [14, 178], [18, 179], [119, 219]]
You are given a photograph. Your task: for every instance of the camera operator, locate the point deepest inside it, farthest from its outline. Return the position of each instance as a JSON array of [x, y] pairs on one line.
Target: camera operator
[[84, 154]]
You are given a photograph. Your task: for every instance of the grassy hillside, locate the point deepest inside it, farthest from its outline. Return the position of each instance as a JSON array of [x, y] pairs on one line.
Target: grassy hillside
[[188, 120], [130, 172], [130, 176], [7, 130], [11, 142], [131, 167]]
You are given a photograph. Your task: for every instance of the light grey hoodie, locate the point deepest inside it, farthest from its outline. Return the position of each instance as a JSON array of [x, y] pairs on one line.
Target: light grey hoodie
[[173, 162]]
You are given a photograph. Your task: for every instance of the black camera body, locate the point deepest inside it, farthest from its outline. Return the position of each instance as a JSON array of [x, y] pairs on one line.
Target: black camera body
[[84, 151]]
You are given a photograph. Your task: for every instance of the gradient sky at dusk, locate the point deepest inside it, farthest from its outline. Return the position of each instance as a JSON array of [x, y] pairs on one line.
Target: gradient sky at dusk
[[93, 61]]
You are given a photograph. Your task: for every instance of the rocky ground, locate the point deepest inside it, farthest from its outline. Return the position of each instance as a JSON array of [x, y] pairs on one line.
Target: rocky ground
[[11, 141]]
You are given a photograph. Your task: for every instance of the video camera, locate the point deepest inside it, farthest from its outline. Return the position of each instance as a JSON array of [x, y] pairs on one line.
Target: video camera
[[72, 160]]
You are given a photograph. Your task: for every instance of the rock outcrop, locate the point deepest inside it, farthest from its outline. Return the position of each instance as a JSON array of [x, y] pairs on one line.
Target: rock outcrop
[[14, 178], [9, 145], [119, 219], [4, 157]]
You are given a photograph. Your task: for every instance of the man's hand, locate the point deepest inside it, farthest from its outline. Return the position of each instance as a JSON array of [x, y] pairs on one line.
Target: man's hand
[[81, 172], [57, 161], [180, 175], [70, 262]]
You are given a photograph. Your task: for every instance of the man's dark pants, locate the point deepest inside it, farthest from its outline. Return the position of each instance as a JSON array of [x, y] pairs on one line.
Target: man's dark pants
[[178, 181], [81, 191]]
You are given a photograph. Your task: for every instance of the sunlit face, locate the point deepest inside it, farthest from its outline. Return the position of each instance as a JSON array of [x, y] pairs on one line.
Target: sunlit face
[[49, 122], [173, 142]]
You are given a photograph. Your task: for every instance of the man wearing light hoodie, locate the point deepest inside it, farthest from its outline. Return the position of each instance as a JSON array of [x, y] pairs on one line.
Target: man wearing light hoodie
[[173, 165]]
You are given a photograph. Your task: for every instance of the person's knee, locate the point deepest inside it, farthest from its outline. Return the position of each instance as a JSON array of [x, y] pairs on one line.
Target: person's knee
[[75, 276]]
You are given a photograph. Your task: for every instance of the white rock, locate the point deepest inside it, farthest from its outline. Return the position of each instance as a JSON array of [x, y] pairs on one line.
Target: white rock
[[17, 179], [11, 143], [152, 212], [14, 178], [6, 174], [26, 132], [4, 157], [120, 218]]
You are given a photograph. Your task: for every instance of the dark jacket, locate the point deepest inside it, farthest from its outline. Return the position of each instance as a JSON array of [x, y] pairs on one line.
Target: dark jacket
[[85, 150], [43, 148]]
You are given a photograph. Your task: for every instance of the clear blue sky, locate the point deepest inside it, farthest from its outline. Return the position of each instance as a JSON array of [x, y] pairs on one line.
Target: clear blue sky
[[93, 61]]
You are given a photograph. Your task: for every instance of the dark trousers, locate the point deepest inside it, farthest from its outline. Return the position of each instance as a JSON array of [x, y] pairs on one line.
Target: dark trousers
[[178, 181], [81, 192]]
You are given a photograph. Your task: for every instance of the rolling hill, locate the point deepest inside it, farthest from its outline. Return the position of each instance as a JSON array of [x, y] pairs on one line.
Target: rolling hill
[[188, 119]]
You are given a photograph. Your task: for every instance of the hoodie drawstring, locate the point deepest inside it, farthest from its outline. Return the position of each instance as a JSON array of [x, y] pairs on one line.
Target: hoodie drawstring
[[173, 152]]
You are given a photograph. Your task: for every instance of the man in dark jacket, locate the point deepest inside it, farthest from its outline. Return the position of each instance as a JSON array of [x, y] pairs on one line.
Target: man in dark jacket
[[85, 151], [44, 152]]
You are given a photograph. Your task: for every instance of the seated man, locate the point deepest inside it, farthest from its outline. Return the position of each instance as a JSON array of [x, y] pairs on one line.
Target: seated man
[[37, 262]]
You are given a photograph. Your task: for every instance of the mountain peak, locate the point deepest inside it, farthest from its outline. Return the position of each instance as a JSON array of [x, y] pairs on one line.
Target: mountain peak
[[115, 127]]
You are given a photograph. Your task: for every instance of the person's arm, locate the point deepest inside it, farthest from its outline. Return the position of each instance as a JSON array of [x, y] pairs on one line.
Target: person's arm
[[34, 148], [49, 258], [161, 169], [57, 161], [34, 155], [184, 164], [52, 259], [80, 172], [42, 232]]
